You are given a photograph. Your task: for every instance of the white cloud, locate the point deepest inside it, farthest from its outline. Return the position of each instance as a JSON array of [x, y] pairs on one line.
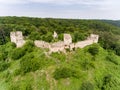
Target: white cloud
[[73, 8], [87, 2], [12, 1]]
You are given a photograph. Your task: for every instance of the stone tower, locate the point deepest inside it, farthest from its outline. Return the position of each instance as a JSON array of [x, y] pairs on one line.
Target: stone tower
[[17, 38], [55, 35], [67, 39]]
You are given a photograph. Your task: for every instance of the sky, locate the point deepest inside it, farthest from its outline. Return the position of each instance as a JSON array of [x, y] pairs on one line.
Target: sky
[[74, 9]]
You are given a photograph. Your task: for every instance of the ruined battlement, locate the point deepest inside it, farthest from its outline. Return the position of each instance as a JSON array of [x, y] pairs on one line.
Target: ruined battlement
[[59, 46], [17, 38]]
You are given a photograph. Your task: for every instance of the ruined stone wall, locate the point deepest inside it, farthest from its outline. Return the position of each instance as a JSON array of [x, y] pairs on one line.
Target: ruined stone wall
[[90, 40], [67, 43], [41, 44], [67, 39], [60, 46], [57, 47], [17, 38]]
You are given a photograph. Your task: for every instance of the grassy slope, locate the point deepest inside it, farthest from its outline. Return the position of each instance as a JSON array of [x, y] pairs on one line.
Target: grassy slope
[[91, 69]]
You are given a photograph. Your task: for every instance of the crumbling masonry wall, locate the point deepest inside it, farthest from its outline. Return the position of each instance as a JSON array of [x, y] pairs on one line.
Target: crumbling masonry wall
[[17, 38], [59, 46]]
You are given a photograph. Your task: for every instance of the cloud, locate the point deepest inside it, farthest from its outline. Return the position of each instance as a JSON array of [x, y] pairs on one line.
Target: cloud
[[61, 8], [85, 2], [12, 1]]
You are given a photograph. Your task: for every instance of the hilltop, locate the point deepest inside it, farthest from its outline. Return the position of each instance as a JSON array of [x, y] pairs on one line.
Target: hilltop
[[94, 67]]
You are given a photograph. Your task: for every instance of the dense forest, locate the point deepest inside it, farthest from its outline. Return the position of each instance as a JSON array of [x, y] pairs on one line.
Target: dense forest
[[95, 67]]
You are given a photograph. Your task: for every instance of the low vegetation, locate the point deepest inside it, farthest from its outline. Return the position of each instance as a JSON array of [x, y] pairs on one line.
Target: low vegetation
[[95, 67]]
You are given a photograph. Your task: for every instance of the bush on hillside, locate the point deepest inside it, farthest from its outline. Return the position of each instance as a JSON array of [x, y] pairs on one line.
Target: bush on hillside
[[117, 49], [93, 50], [65, 73], [87, 64], [17, 53], [111, 58], [2, 57], [87, 86], [28, 63], [29, 46], [4, 66], [107, 82]]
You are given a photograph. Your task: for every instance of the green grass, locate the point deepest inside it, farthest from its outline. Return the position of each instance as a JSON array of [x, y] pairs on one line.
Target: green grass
[[96, 71]]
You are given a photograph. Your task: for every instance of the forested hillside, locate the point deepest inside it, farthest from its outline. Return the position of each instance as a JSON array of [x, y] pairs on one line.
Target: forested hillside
[[113, 22], [95, 67]]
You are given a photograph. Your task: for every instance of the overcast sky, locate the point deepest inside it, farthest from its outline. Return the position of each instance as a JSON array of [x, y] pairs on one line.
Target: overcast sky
[[78, 9]]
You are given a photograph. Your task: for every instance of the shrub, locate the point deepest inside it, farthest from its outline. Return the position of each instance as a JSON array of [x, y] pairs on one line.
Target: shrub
[[65, 73], [87, 86], [29, 63], [107, 81], [1, 57], [93, 50], [112, 59], [17, 53], [87, 64], [28, 47], [4, 66], [117, 49], [17, 72], [20, 52]]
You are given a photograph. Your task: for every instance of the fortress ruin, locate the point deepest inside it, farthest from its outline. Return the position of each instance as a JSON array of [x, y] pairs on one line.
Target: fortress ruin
[[17, 38], [59, 46]]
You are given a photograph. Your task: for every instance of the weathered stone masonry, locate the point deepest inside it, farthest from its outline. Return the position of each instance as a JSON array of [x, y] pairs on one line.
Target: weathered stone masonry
[[59, 46], [17, 38]]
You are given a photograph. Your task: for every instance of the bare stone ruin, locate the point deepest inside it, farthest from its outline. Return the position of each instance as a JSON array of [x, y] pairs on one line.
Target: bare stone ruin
[[55, 35], [59, 46], [17, 38], [41, 44], [67, 40], [90, 40]]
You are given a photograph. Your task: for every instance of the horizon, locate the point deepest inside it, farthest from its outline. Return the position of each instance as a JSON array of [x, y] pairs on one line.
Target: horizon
[[61, 18], [63, 9]]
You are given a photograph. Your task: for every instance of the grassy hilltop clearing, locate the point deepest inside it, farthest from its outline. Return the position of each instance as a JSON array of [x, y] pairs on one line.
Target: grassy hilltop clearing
[[95, 67]]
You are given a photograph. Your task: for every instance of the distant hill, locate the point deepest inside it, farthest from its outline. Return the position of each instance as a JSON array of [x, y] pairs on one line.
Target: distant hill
[[113, 22]]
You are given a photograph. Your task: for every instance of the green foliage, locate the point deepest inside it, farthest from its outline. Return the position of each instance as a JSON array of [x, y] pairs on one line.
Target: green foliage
[[2, 56], [29, 63], [42, 29], [109, 82], [29, 46], [87, 86], [110, 57], [94, 50], [65, 73], [4, 66], [79, 36], [31, 68], [117, 49], [17, 72], [59, 56], [17, 53], [87, 64]]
